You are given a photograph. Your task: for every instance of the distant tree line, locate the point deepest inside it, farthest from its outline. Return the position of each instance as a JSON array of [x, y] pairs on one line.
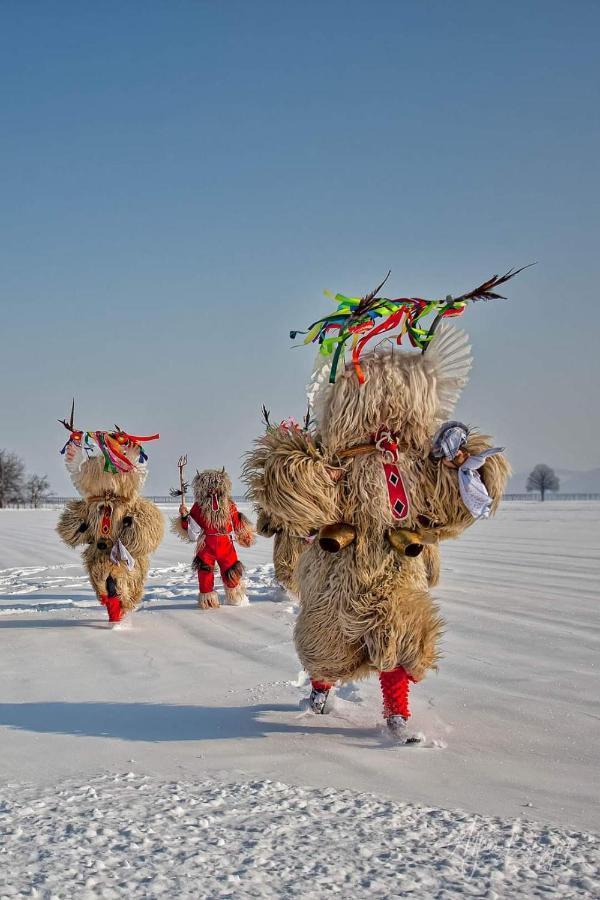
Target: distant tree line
[[18, 488]]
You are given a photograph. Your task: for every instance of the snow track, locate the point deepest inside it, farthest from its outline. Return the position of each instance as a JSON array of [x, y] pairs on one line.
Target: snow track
[[204, 706]]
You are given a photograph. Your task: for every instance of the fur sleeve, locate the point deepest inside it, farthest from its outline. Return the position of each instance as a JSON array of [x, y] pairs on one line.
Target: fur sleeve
[[243, 528], [185, 534], [495, 471], [72, 526], [445, 506], [142, 528], [287, 477], [177, 528], [264, 526]]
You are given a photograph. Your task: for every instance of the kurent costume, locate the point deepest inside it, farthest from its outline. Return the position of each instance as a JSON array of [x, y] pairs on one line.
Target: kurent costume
[[287, 547], [380, 478], [118, 528], [213, 522]]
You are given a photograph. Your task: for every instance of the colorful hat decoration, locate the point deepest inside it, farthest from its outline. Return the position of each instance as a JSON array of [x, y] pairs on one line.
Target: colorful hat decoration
[[357, 320], [290, 424], [110, 443]]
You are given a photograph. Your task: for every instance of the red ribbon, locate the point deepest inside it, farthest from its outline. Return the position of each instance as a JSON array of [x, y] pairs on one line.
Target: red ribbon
[[389, 323], [135, 439]]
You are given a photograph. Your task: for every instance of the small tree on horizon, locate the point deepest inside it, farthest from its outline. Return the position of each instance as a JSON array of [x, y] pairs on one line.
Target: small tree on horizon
[[12, 471], [37, 489], [542, 478]]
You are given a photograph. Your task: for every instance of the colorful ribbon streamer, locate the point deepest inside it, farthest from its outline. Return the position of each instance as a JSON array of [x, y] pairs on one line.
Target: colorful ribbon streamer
[[357, 321], [111, 444]]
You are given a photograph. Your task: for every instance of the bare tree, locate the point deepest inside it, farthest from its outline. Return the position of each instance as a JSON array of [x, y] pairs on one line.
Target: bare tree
[[12, 472], [37, 489], [542, 478]]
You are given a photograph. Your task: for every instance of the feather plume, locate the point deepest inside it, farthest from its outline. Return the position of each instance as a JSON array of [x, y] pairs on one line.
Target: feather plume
[[318, 390], [485, 292], [448, 360]]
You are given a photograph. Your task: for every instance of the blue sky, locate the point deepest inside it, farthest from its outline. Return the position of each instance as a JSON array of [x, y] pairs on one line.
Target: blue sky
[[181, 180]]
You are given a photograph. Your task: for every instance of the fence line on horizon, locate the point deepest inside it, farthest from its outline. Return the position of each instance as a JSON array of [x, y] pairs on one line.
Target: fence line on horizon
[[166, 500]]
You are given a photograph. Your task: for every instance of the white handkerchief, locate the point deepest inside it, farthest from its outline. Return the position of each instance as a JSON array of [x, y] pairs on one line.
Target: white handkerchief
[[120, 553], [472, 489], [193, 529]]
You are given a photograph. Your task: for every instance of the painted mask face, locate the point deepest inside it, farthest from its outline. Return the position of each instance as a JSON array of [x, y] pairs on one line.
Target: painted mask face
[[213, 485]]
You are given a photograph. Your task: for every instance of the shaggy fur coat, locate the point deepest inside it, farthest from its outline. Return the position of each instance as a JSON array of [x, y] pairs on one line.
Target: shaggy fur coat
[[287, 550], [368, 607], [135, 521]]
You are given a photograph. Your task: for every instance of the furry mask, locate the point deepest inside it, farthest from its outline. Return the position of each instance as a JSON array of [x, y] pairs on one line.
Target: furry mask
[[90, 479], [212, 485], [410, 393]]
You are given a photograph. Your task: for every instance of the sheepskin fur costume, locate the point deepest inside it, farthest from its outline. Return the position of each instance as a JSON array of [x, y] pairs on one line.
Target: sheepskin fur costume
[[287, 550], [110, 512], [367, 607], [216, 521]]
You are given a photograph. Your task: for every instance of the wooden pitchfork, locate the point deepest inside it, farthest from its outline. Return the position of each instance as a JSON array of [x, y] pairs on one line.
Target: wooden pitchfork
[[183, 485]]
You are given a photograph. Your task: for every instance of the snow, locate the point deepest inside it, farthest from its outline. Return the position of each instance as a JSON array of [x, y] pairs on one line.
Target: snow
[[234, 790], [130, 835]]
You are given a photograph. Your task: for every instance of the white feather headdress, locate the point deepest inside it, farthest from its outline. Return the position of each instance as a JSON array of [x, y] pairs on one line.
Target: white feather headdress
[[318, 389], [448, 359]]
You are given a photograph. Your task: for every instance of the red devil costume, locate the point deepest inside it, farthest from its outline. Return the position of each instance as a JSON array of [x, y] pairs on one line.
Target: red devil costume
[[213, 522], [216, 547]]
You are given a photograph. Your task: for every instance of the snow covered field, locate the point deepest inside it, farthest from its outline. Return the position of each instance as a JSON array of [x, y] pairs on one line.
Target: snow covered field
[[171, 758]]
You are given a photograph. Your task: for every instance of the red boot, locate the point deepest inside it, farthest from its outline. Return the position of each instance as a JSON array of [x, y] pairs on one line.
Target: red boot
[[113, 605]]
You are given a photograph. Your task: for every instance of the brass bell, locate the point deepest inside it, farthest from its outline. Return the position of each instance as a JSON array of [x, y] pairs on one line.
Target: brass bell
[[334, 538], [406, 542]]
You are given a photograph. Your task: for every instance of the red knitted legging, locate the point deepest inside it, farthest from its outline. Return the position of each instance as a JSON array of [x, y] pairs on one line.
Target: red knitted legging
[[394, 687]]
